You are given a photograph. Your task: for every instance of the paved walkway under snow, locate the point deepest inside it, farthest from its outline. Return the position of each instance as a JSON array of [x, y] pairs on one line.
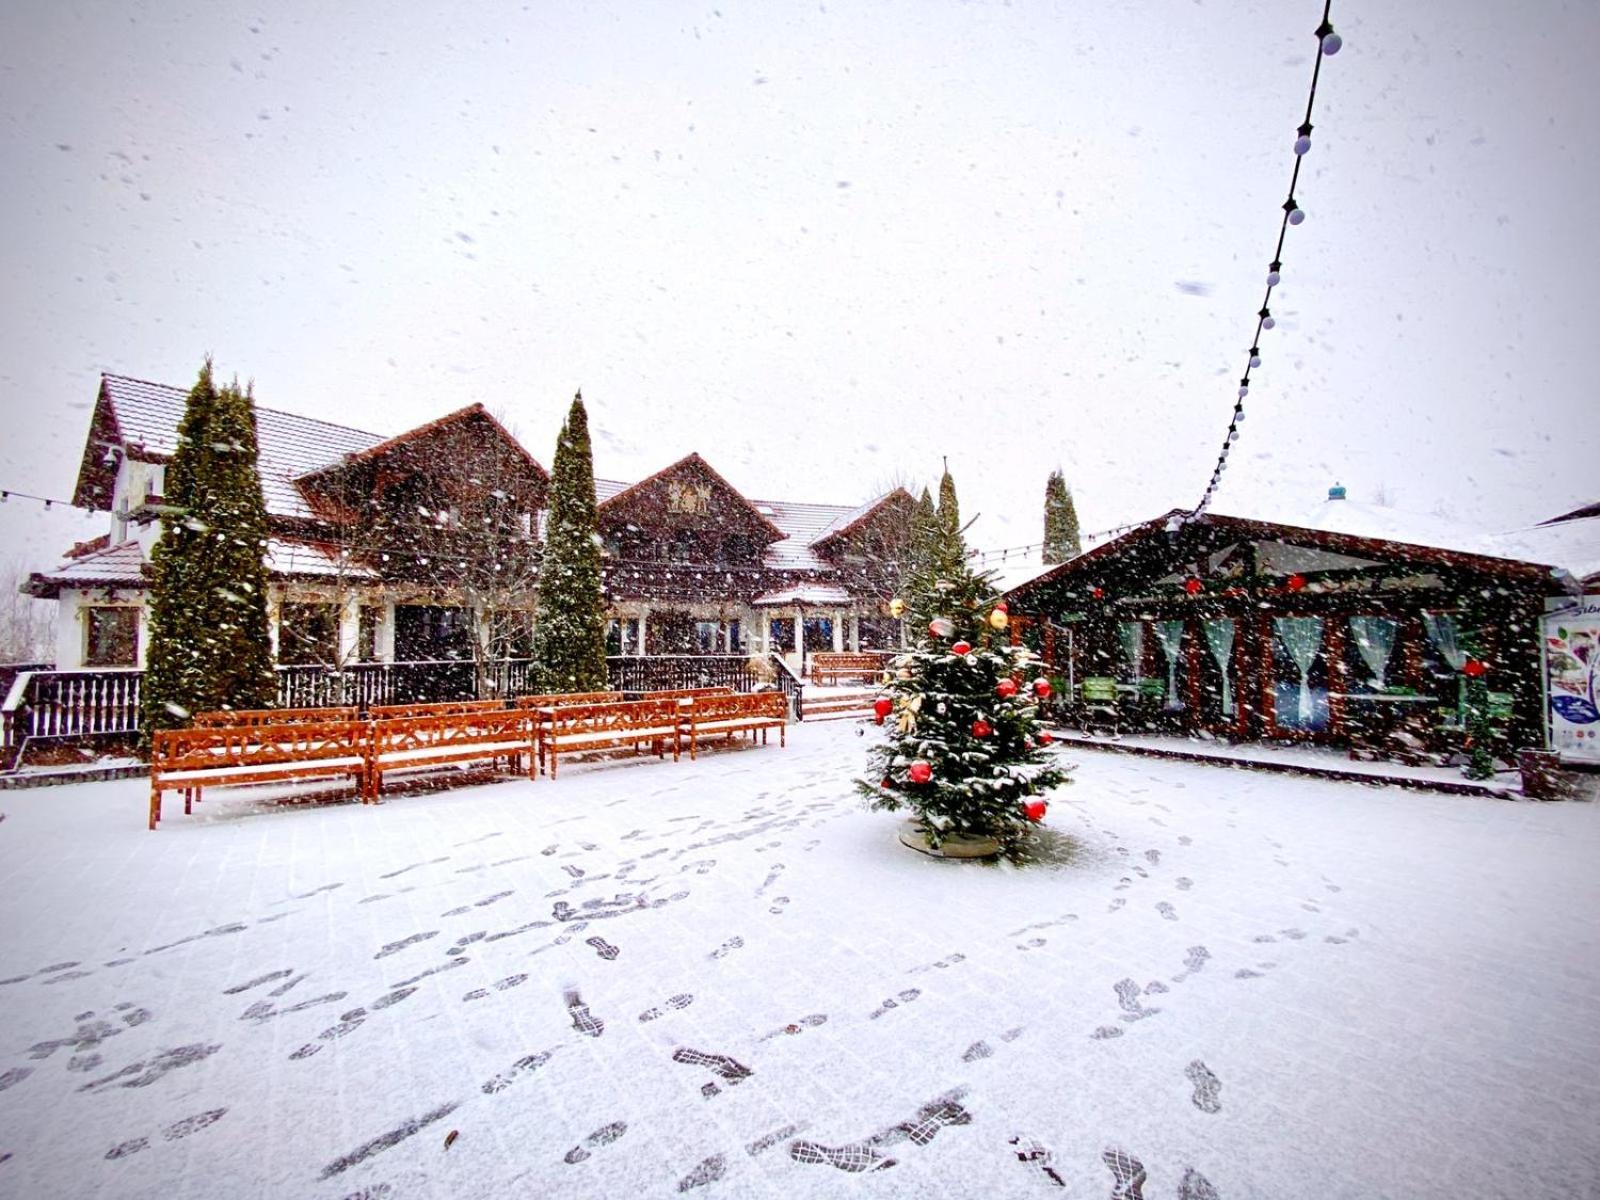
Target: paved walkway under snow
[[727, 978]]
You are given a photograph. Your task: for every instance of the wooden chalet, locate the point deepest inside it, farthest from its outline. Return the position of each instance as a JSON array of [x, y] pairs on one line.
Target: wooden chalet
[[426, 547], [1247, 629]]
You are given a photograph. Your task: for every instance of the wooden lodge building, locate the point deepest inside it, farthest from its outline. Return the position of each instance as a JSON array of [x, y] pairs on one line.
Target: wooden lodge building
[[409, 548], [1249, 630]]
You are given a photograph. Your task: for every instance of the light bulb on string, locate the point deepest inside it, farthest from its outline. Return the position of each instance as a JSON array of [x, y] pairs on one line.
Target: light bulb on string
[[1296, 213], [1267, 319], [1332, 43], [1274, 277], [1233, 435], [1255, 356]]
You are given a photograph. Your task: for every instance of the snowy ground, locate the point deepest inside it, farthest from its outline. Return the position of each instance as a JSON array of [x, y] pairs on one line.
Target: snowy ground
[[727, 978]]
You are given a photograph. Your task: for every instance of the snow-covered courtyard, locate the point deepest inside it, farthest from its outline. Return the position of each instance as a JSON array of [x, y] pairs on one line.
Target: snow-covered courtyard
[[728, 978]]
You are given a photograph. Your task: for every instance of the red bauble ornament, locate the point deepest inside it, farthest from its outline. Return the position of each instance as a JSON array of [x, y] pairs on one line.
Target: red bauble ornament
[[1192, 586], [1034, 810], [882, 707], [1006, 687], [961, 648], [1041, 688], [1474, 669], [920, 772], [1044, 737], [941, 627], [1000, 606], [1098, 593], [981, 728], [885, 783], [1296, 582]]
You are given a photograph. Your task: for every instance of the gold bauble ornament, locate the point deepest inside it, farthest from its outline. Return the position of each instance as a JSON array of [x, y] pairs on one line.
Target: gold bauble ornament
[[998, 619], [897, 607]]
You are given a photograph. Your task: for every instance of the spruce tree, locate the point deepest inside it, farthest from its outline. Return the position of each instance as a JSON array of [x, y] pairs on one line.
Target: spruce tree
[[209, 647], [924, 536], [963, 710], [570, 633], [1061, 540]]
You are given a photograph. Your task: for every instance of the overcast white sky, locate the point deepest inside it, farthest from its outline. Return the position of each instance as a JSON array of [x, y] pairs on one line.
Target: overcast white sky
[[825, 244]]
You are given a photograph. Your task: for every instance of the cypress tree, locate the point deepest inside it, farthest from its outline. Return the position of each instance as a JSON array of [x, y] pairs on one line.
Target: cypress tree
[[209, 647], [1061, 540], [570, 634], [949, 510]]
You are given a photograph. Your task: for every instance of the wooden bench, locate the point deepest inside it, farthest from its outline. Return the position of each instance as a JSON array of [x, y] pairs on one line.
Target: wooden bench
[[245, 717], [556, 699], [575, 728], [401, 743], [831, 667], [437, 708], [685, 693], [194, 759], [711, 716]]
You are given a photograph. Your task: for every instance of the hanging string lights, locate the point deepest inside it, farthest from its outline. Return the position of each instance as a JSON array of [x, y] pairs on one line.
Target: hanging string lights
[[1328, 44]]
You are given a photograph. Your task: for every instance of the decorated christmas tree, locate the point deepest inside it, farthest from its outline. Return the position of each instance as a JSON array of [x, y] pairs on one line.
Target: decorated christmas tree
[[964, 750]]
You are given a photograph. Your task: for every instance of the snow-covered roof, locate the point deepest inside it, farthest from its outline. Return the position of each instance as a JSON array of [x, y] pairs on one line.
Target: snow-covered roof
[[808, 594], [115, 566], [288, 445], [1572, 544], [304, 558], [805, 524]]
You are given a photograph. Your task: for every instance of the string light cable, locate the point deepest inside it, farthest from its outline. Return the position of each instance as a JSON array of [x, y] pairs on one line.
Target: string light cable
[[1328, 44]]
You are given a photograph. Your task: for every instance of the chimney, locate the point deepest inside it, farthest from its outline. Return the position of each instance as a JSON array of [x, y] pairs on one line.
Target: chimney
[[1336, 492]]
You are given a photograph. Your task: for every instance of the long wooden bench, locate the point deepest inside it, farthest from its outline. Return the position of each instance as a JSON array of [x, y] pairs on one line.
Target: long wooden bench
[[555, 699], [686, 693], [437, 708], [243, 717], [195, 759], [832, 666], [724, 716], [401, 743], [576, 728]]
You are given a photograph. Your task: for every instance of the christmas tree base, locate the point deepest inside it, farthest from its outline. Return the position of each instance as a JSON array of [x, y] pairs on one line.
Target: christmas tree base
[[955, 845]]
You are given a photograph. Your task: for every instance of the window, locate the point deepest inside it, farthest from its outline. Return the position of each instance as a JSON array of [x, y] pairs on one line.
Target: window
[[705, 636], [111, 637], [367, 644], [308, 633]]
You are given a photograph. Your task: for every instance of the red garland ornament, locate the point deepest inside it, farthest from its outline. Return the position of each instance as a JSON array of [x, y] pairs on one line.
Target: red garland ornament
[[1041, 688], [1034, 810], [1296, 582], [961, 648], [981, 728], [1006, 687], [1044, 737], [920, 772], [1473, 669], [1192, 586]]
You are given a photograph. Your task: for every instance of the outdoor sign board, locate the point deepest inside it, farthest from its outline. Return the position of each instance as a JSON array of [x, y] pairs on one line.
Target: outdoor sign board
[[1572, 679]]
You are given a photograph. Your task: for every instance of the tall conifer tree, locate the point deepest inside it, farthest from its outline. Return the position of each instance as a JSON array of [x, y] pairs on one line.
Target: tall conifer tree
[[1060, 521], [570, 634], [949, 510], [209, 647]]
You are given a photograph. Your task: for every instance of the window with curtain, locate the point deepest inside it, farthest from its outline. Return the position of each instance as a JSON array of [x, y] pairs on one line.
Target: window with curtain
[[1216, 668], [1370, 656], [1131, 636], [1169, 636], [1300, 674]]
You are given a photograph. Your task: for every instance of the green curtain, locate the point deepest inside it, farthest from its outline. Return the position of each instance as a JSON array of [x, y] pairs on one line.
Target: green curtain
[[1132, 635], [1443, 633], [1302, 638], [1219, 637], [1374, 637], [1170, 635]]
